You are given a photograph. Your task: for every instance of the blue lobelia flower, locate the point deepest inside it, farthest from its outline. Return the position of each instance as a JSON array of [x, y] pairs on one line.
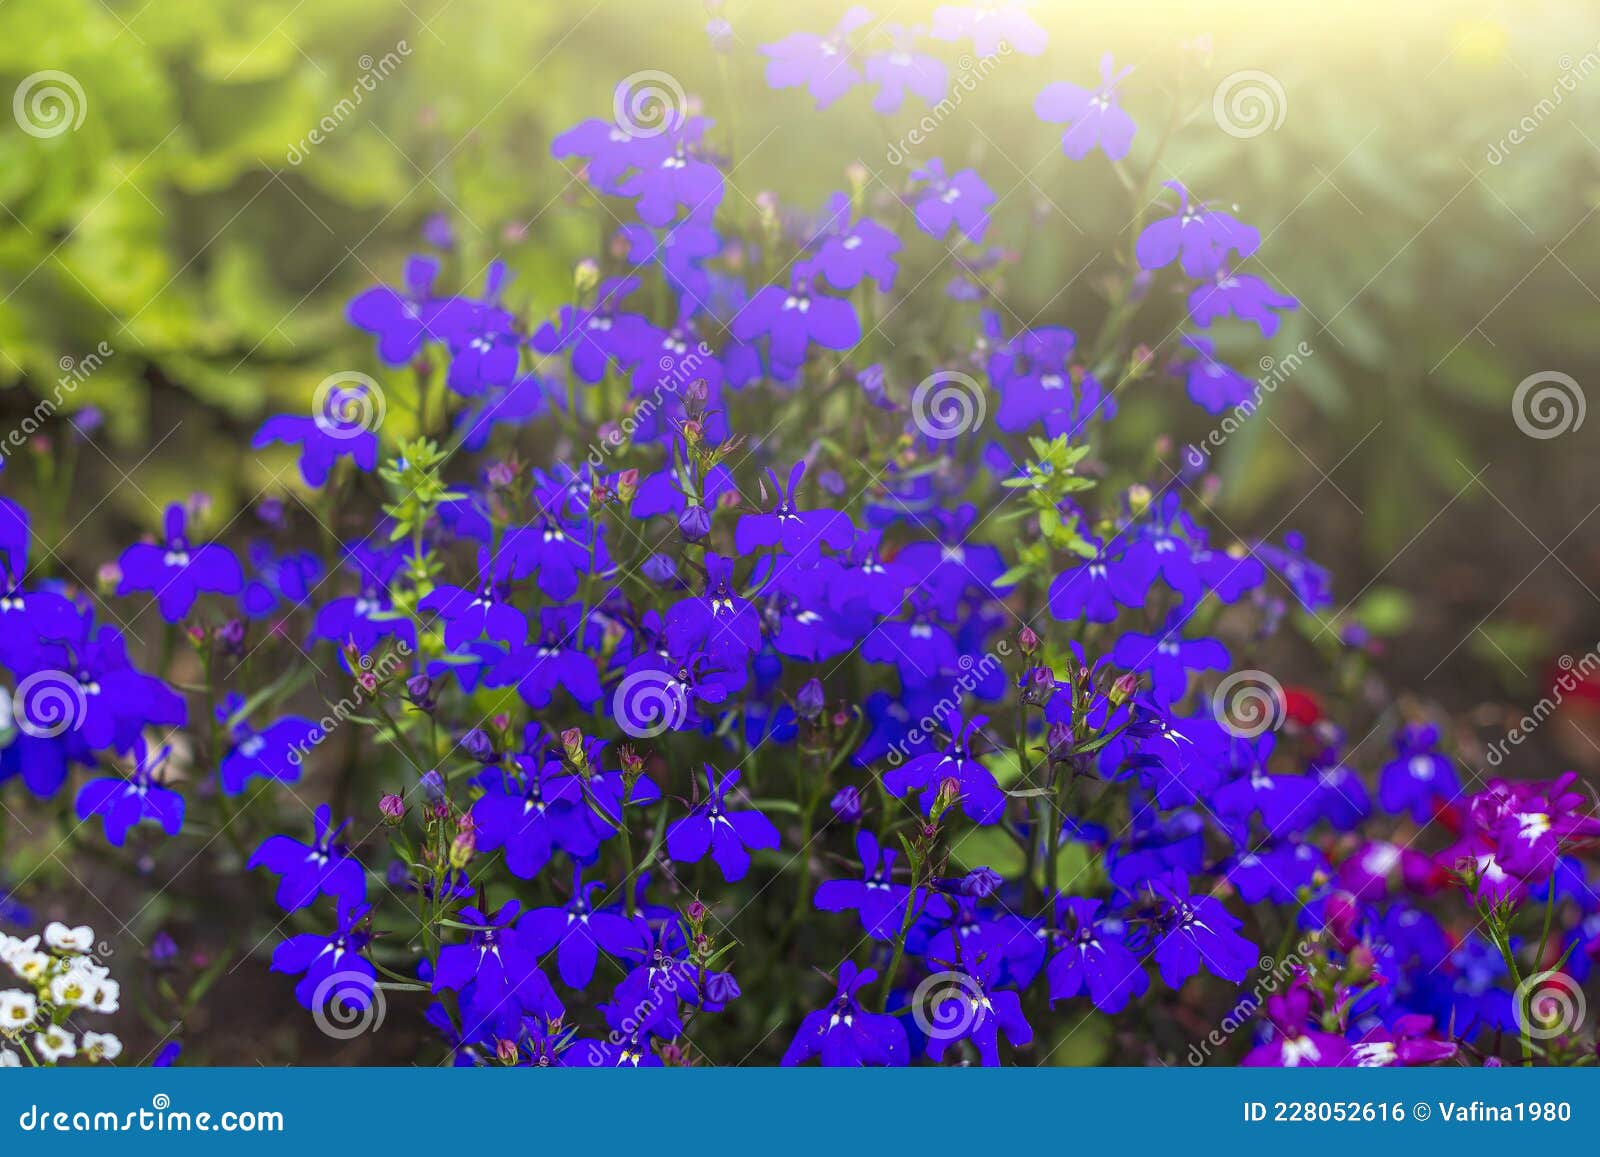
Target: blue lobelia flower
[[844, 1034], [332, 969], [321, 868], [178, 571], [877, 900], [1198, 932], [823, 64], [1094, 958], [960, 199], [1198, 237], [1093, 117], [122, 803], [729, 836], [981, 799]]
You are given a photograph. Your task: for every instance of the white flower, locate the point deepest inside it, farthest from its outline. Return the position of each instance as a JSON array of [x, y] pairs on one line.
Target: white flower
[[10, 1059], [55, 1044], [103, 996], [12, 949], [64, 939], [33, 966], [101, 1046], [17, 1010], [71, 988]]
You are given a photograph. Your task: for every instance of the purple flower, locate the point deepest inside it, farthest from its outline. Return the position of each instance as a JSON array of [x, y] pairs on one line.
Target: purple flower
[[1198, 236], [996, 27], [1098, 586], [1198, 932], [981, 798], [1242, 296], [178, 572], [800, 534], [846, 1035], [335, 971], [795, 318], [401, 320], [901, 70], [275, 752], [1294, 1043], [1419, 777], [877, 900], [530, 812], [122, 803], [321, 868], [962, 200], [576, 931], [822, 64], [1169, 658], [970, 1008], [846, 253], [1093, 118], [1213, 385], [340, 431], [728, 835], [1095, 957]]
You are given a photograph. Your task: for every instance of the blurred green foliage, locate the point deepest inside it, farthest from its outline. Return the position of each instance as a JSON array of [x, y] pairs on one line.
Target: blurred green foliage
[[176, 225]]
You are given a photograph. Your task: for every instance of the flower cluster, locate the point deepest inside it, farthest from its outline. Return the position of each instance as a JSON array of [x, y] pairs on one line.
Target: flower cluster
[[786, 706], [63, 981]]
